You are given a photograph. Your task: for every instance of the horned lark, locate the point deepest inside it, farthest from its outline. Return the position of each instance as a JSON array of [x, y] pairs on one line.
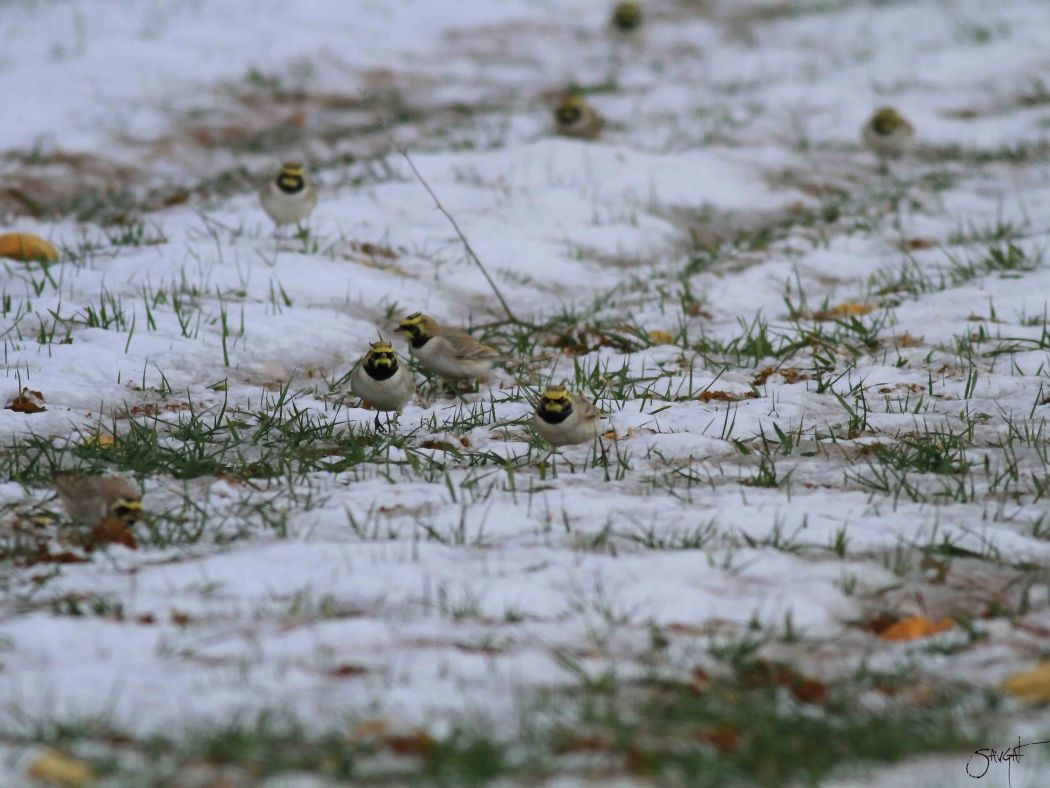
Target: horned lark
[[290, 197], [88, 499], [563, 418], [575, 117], [887, 133], [627, 16], [381, 380], [447, 352]]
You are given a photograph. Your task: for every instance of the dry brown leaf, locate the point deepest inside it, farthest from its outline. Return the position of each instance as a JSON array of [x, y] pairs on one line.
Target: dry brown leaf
[[914, 628], [585, 742], [347, 671], [26, 247], [724, 738], [58, 768], [694, 309], [156, 408], [417, 742], [438, 445], [914, 388], [374, 250], [1031, 684], [810, 691], [879, 622], [699, 681], [43, 555], [846, 309], [726, 396], [29, 401], [763, 673], [915, 244], [179, 618], [789, 374], [907, 340]]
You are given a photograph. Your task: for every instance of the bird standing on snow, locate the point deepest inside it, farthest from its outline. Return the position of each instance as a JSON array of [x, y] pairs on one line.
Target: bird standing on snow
[[290, 197], [575, 117], [887, 133], [627, 16], [381, 380], [563, 418], [448, 352], [89, 499]]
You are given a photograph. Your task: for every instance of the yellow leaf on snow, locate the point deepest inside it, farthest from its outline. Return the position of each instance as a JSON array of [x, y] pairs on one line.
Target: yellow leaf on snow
[[26, 246], [658, 337], [55, 767], [914, 628], [847, 309], [103, 440], [1031, 684]]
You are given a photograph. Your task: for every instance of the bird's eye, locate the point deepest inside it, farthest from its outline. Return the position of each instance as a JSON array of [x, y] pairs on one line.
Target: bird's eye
[[568, 115]]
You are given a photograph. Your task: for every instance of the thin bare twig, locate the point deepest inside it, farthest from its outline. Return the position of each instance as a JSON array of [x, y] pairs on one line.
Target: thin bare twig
[[455, 226], [371, 100]]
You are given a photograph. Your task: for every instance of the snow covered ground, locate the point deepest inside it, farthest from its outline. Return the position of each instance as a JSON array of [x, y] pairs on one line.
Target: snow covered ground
[[827, 380]]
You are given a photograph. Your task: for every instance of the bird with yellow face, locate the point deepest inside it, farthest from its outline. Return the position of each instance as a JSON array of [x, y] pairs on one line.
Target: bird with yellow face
[[888, 134], [290, 197], [575, 117], [627, 16], [382, 380], [563, 418], [447, 352], [89, 499]]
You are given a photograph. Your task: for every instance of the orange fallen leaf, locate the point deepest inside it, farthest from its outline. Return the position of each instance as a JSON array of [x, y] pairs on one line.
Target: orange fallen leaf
[[846, 309], [103, 440], [26, 247], [658, 337], [1031, 684], [57, 768], [914, 628]]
